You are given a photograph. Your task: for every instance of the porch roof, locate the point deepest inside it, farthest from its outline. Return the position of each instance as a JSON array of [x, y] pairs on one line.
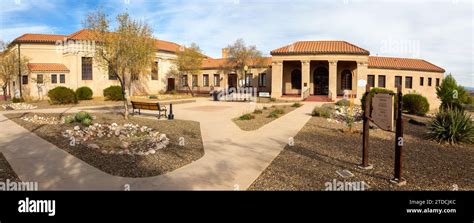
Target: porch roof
[[320, 47], [47, 67]]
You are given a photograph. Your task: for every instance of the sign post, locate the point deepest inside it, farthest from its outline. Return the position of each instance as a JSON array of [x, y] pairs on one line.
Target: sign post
[[365, 136], [398, 179]]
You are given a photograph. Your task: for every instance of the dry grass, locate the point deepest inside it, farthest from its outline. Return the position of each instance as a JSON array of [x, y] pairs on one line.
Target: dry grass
[[172, 157], [262, 117], [321, 149]]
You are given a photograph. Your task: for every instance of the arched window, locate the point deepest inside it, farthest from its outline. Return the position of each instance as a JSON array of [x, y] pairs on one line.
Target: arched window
[[296, 79], [346, 80]]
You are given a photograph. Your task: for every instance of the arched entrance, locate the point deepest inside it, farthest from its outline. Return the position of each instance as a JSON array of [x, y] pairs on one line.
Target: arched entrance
[[321, 81]]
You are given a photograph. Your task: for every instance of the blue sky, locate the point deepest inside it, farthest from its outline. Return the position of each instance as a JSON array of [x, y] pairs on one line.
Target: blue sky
[[440, 31]]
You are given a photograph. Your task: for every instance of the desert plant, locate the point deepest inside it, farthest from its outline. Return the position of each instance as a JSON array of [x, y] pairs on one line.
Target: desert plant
[[81, 116], [62, 95], [296, 105], [272, 114], [257, 111], [246, 117], [17, 100], [272, 99], [451, 94], [343, 102], [113, 93], [415, 104], [265, 108], [451, 125], [87, 121], [279, 111], [69, 120], [321, 112], [84, 93]]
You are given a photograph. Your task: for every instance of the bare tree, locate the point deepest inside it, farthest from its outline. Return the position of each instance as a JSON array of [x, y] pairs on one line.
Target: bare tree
[[128, 50], [9, 62], [188, 61]]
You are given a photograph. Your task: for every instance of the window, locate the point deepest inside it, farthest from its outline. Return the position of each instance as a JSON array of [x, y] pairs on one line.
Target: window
[[262, 80], [205, 80], [184, 80], [217, 80], [87, 68], [398, 81], [24, 79], [112, 75], [408, 82], [54, 78], [195, 80], [62, 78], [422, 81], [154, 71], [381, 81], [296, 79], [429, 81], [248, 80], [371, 80], [346, 80], [39, 78], [437, 82]]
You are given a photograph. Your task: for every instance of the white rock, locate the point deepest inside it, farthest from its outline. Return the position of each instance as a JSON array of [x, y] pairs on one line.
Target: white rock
[[93, 146], [104, 151], [77, 128], [152, 151]]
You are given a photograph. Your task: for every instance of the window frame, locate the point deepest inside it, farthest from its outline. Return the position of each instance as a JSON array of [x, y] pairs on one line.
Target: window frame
[[401, 81], [54, 78], [408, 86], [430, 81], [373, 80], [184, 80], [195, 80], [384, 78], [217, 80], [62, 78], [248, 79], [87, 72], [422, 81], [262, 79], [346, 80], [23, 80], [205, 80], [438, 82], [38, 78]]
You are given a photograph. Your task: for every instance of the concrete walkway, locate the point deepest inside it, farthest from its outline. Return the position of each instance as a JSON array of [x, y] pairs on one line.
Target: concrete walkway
[[233, 158]]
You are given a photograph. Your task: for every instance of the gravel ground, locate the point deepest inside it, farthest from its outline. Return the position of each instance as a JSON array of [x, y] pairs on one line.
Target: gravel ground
[[6, 171], [261, 119], [321, 149], [172, 157]]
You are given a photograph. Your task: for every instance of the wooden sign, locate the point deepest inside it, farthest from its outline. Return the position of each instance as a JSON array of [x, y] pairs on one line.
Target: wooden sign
[[382, 113]]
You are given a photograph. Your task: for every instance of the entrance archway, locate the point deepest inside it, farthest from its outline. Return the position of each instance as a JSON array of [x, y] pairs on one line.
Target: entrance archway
[[321, 81]]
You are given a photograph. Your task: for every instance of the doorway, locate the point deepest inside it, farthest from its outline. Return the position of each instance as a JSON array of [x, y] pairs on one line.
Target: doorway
[[321, 81]]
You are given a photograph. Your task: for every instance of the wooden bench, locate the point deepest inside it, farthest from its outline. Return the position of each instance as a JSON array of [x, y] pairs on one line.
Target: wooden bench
[[149, 106]]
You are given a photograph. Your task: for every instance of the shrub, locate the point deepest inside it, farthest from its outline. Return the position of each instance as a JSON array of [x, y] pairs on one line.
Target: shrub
[[265, 108], [377, 90], [69, 119], [17, 100], [62, 95], [113, 93], [257, 111], [343, 102], [451, 94], [87, 121], [415, 104], [296, 105], [279, 111], [451, 125], [84, 93], [272, 99], [246, 117], [321, 112], [81, 116], [272, 114]]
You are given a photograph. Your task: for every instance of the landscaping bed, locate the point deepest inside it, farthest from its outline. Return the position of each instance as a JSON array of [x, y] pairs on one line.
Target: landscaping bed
[[138, 147], [6, 171], [321, 148], [262, 116]]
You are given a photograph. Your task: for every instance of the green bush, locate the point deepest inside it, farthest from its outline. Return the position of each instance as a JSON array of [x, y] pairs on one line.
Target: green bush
[[296, 105], [451, 94], [84, 93], [343, 102], [81, 116], [62, 95], [324, 112], [415, 104], [246, 117], [17, 100], [378, 90], [87, 121], [451, 125], [69, 120], [113, 93], [257, 111], [272, 114], [279, 111]]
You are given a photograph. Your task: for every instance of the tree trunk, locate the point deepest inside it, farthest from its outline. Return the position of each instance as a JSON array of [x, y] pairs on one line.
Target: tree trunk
[[4, 88]]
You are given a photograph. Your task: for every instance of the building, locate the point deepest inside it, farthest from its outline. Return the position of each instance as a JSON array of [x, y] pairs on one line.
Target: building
[[304, 70]]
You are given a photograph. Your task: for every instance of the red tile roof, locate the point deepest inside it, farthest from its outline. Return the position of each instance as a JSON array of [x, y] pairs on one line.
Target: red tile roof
[[47, 67], [320, 47], [167, 46], [403, 64], [39, 38], [218, 63]]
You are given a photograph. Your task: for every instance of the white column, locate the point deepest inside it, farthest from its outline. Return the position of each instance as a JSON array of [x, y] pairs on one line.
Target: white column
[[277, 79], [305, 66], [333, 80], [362, 76]]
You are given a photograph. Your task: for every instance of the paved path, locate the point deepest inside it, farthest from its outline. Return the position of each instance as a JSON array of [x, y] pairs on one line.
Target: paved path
[[233, 158]]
